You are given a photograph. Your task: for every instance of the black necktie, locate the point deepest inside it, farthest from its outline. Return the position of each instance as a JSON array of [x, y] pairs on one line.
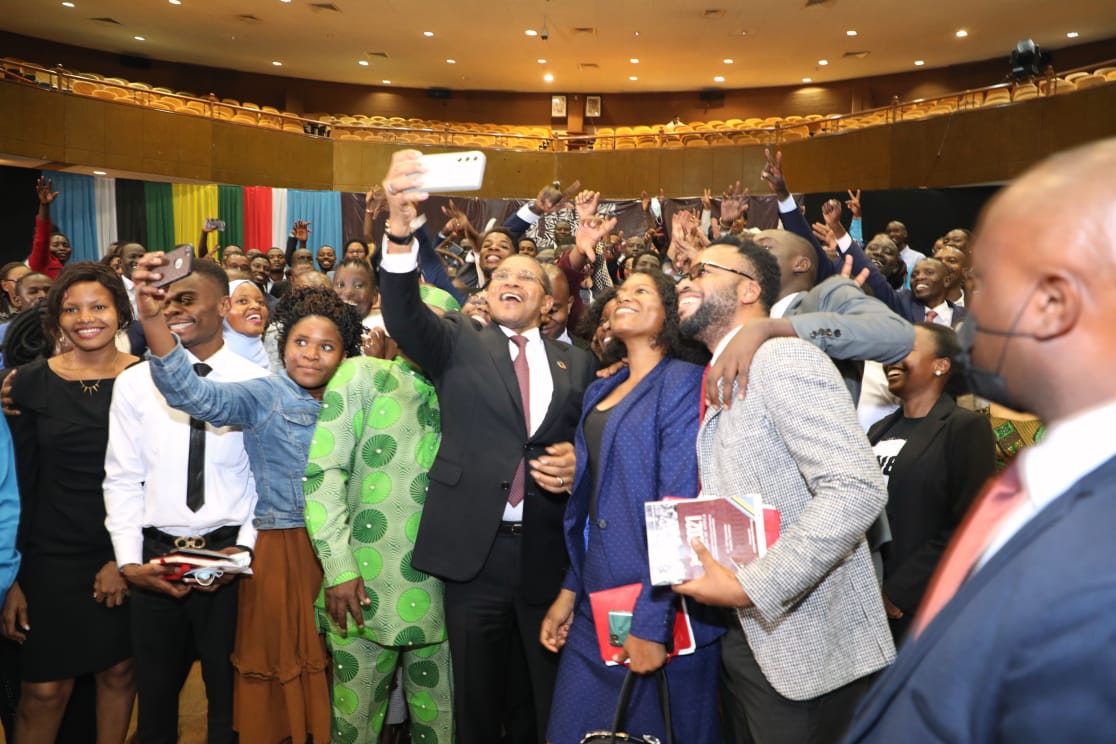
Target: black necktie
[[195, 465]]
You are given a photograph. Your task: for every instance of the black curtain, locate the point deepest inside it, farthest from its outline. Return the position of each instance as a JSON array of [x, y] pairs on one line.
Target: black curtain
[[18, 207], [131, 211], [928, 213]]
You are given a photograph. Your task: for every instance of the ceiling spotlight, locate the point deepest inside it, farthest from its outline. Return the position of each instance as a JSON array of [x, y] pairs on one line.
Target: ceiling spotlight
[[1070, 35], [68, 5], [386, 82], [99, 173], [823, 62], [277, 63], [541, 61], [634, 60], [919, 62], [139, 38], [961, 34], [850, 32], [362, 62], [548, 78], [284, 1], [531, 32], [719, 79], [807, 80], [427, 33], [727, 61], [451, 61], [633, 78], [175, 2]]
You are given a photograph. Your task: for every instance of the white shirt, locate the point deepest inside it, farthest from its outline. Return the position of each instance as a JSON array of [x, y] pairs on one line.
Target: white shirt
[[779, 309], [538, 364], [945, 314], [1071, 449], [147, 459], [910, 257], [724, 342]]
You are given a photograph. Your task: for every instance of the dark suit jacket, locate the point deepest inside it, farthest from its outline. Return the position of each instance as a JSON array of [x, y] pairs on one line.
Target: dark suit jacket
[[1026, 649], [483, 439], [935, 477]]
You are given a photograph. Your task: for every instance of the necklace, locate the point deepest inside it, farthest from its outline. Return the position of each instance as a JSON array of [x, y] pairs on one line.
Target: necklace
[[96, 386]]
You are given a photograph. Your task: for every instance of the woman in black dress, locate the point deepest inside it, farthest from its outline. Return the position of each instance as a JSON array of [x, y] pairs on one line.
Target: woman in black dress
[[66, 607]]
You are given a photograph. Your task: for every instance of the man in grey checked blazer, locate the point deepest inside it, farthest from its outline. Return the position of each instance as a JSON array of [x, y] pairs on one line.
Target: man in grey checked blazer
[[812, 630]]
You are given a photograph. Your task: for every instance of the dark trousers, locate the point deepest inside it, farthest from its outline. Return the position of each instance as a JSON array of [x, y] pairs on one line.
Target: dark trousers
[[753, 712], [167, 635], [503, 677]]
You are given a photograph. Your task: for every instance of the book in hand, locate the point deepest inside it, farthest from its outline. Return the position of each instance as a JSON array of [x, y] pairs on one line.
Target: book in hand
[[196, 566], [735, 529]]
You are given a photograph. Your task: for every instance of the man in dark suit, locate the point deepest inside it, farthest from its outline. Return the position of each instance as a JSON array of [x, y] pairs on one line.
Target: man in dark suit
[[492, 525], [1016, 638]]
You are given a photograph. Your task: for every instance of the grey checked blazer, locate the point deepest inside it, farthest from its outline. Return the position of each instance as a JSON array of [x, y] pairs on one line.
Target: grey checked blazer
[[818, 622]]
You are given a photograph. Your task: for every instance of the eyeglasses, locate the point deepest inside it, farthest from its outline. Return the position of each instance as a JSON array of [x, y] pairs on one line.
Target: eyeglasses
[[504, 275], [701, 268]]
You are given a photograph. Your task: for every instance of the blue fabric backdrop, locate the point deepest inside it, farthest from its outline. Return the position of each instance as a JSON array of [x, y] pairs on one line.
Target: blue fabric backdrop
[[323, 210], [74, 213]]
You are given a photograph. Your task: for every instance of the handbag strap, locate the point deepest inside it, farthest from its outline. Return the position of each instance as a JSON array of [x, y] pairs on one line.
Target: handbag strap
[[626, 696]]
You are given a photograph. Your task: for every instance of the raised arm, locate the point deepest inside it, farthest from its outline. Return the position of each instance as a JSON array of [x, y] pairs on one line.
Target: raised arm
[[300, 233], [549, 199], [41, 259], [789, 212]]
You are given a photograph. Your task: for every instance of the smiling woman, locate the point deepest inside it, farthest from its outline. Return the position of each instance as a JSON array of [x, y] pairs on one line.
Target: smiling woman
[[69, 578]]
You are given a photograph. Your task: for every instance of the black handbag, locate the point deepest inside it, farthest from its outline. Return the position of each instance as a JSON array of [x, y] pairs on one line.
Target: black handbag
[[615, 735]]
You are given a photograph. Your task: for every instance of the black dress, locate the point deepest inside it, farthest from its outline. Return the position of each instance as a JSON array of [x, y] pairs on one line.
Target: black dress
[[60, 438]]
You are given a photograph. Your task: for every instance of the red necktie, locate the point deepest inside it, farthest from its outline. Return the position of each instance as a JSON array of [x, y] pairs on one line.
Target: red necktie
[[522, 374], [931, 316], [981, 525]]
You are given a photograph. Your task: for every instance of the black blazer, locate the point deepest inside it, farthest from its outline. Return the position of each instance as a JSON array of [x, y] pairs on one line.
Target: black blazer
[[483, 440], [935, 477]]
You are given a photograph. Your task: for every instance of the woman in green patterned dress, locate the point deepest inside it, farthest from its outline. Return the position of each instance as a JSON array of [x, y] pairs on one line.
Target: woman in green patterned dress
[[378, 432]]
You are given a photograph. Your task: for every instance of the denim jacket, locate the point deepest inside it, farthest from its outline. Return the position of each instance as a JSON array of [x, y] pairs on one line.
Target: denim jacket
[[277, 417]]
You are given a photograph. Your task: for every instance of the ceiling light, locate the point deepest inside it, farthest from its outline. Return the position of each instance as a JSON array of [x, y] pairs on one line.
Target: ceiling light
[[139, 38], [386, 82], [362, 62], [99, 173], [175, 2], [548, 78], [541, 61], [919, 62], [277, 63], [427, 33], [531, 32], [634, 61], [719, 79], [727, 61], [633, 78], [807, 80], [284, 1], [68, 5], [823, 62], [850, 32], [1070, 35], [451, 61], [961, 34]]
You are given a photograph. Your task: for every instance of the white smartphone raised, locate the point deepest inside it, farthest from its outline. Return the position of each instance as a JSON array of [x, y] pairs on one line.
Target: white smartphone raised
[[453, 171]]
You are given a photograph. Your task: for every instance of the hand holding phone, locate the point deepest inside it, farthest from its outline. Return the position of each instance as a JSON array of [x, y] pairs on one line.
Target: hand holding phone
[[452, 172], [177, 264]]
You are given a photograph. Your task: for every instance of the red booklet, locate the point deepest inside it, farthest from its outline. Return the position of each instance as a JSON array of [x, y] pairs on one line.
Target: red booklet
[[612, 616], [736, 530]]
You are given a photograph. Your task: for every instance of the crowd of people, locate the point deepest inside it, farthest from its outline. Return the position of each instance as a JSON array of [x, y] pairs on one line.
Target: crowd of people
[[416, 465]]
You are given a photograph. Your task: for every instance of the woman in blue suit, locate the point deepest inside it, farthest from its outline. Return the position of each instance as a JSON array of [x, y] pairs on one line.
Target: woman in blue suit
[[636, 443]]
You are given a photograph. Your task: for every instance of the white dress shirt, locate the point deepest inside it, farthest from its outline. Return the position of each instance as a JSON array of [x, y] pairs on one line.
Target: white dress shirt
[[945, 314], [538, 364], [147, 460], [1071, 449], [910, 257], [779, 309]]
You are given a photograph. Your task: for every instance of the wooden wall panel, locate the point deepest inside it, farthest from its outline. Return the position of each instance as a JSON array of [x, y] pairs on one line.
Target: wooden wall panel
[[981, 146]]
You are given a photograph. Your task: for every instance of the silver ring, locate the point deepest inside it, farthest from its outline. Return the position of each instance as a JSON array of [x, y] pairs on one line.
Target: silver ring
[[389, 189], [561, 481]]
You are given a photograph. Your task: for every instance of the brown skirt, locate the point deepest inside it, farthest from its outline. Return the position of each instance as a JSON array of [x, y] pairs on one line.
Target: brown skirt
[[281, 689]]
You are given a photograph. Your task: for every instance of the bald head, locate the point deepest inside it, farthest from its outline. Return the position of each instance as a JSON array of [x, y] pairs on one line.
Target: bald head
[[1045, 284], [796, 258]]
